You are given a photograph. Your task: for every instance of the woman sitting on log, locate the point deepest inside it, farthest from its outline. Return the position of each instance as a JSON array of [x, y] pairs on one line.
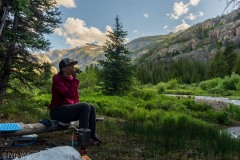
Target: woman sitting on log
[[65, 106]]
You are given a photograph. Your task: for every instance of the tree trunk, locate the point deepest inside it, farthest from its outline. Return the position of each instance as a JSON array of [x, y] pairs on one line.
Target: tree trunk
[[36, 128], [6, 70], [3, 13], [3, 19], [5, 73]]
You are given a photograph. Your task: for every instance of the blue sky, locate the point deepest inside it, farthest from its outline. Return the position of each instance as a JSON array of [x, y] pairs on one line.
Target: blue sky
[[87, 21]]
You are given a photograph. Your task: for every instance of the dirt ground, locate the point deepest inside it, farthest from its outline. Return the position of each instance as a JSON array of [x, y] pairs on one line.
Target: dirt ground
[[116, 145]]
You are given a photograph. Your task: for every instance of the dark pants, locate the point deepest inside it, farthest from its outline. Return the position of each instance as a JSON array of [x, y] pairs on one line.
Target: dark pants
[[84, 112]]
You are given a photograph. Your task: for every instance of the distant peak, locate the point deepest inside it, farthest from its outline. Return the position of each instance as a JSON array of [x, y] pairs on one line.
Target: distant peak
[[90, 44]]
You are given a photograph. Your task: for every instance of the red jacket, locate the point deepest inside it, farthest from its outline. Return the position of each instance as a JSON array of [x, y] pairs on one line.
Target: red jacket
[[64, 91]]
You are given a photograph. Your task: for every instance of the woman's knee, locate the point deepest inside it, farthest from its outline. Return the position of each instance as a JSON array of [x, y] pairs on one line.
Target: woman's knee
[[92, 108], [85, 106]]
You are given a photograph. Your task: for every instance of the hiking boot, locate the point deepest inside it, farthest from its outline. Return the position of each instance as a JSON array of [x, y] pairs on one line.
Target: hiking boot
[[95, 140]]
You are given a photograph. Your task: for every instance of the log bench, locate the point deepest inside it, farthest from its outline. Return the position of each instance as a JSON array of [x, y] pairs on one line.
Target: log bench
[[36, 128]]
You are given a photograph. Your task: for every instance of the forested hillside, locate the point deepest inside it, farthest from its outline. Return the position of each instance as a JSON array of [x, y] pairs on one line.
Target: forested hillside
[[193, 55]]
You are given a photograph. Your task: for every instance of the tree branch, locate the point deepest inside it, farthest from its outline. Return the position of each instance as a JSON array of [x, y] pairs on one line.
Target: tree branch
[[231, 2], [28, 62], [3, 19]]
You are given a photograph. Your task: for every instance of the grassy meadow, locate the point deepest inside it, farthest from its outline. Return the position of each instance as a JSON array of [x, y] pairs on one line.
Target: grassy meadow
[[145, 123]]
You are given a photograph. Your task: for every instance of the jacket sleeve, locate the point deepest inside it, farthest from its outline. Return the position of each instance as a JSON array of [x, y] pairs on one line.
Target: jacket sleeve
[[76, 100], [60, 87]]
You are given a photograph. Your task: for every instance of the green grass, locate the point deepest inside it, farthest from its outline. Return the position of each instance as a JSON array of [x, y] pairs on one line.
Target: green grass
[[141, 103], [228, 86], [25, 109], [128, 106], [159, 125], [176, 137], [182, 132]]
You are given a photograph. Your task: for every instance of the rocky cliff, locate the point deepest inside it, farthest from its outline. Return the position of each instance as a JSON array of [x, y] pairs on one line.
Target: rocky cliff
[[200, 42]]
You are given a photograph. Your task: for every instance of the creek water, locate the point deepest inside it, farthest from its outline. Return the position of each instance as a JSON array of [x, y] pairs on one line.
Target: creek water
[[209, 98]]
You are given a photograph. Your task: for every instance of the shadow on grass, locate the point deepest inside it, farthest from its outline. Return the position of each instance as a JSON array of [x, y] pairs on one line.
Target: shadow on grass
[[185, 134]]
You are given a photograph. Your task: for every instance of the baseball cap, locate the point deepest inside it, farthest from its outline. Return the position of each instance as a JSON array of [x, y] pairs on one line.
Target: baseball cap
[[66, 61]]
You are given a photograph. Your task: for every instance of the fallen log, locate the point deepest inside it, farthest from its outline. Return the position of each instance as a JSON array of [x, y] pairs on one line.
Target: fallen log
[[36, 128]]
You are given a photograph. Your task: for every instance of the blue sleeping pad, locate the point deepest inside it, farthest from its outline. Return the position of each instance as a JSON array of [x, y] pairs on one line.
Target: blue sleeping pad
[[4, 127]]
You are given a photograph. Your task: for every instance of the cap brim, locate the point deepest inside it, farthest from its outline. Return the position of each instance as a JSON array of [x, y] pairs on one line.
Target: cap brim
[[73, 62]]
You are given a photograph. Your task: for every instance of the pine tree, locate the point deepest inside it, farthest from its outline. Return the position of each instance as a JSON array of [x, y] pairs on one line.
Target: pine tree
[[230, 56], [218, 66], [26, 23], [117, 70], [46, 71], [237, 66]]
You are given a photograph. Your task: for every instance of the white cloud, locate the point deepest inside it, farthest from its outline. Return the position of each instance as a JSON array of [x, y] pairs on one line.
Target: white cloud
[[135, 31], [191, 17], [179, 8], [165, 27], [194, 2], [173, 16], [109, 29], [77, 33], [181, 26], [66, 3], [200, 14], [126, 40], [146, 15], [59, 31]]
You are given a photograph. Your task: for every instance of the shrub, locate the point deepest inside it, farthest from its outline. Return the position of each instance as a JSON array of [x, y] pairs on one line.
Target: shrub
[[161, 87], [172, 84], [216, 90], [181, 92], [194, 106], [166, 105], [145, 94], [238, 86], [220, 117], [210, 84], [89, 79], [220, 86], [233, 112], [150, 106], [230, 83]]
